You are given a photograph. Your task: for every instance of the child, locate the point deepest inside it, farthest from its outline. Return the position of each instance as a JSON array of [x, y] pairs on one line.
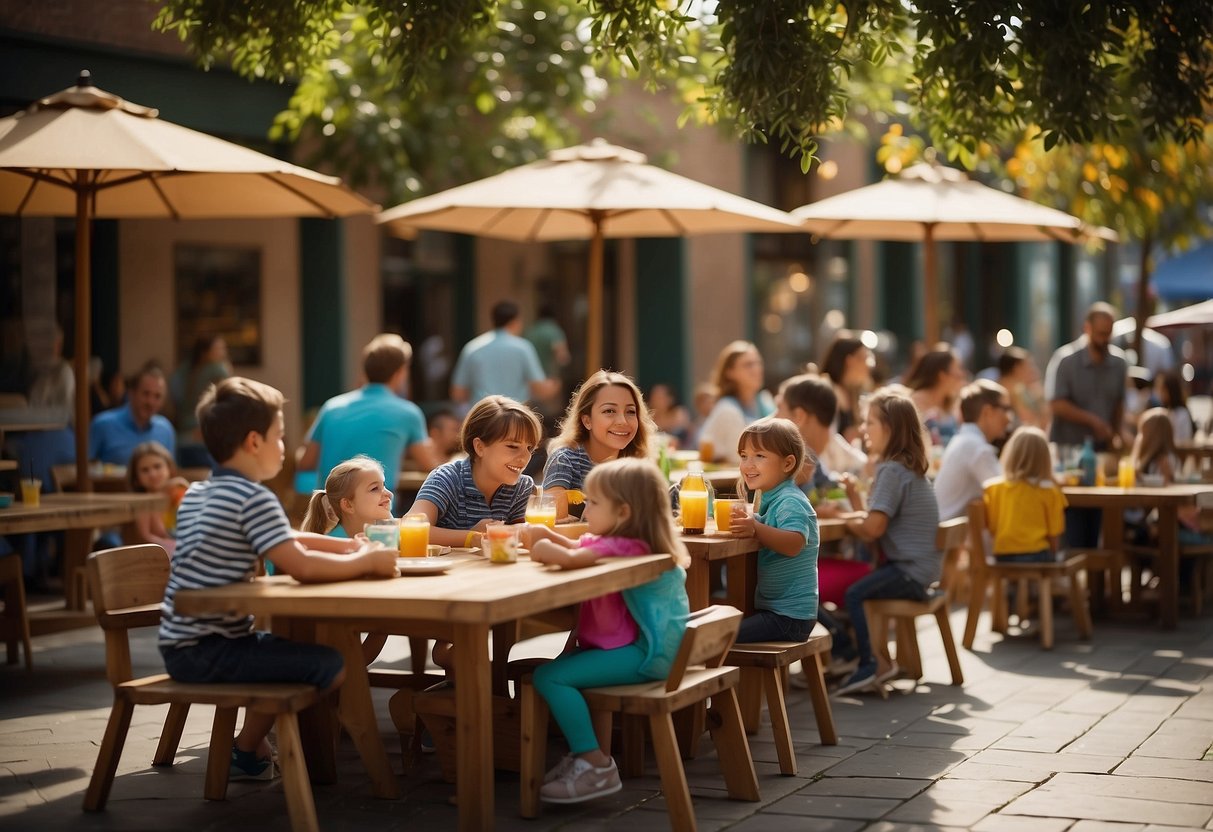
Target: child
[[606, 419], [902, 519], [460, 497], [1025, 510], [622, 638], [354, 494], [785, 599], [152, 469], [1154, 455], [224, 525]]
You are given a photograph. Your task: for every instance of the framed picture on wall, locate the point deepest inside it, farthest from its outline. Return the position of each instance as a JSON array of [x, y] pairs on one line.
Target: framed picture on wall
[[218, 292]]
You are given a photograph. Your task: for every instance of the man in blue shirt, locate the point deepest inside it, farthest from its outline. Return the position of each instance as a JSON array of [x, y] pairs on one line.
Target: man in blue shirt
[[501, 362], [373, 420], [115, 433]]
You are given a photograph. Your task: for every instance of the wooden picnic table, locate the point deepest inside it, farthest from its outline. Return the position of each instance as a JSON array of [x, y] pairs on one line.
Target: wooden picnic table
[[79, 515], [468, 602], [1168, 500]]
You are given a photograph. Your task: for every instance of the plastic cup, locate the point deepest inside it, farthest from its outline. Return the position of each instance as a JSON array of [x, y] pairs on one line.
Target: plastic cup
[[707, 451], [414, 536], [694, 507], [541, 510], [1126, 474], [724, 514], [384, 532], [500, 542], [31, 492]]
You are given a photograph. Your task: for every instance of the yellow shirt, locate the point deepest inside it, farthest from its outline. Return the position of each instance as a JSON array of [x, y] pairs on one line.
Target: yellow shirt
[[1023, 515]]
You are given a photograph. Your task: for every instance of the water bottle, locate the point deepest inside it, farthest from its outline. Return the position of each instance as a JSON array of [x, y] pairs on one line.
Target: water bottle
[[1087, 462]]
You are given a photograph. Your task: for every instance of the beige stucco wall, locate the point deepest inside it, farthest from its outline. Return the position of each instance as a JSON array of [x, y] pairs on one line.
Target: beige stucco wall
[[148, 304], [363, 295]]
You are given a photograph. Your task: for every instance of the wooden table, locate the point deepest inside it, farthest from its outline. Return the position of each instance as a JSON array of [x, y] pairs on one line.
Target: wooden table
[[79, 515], [1168, 501], [1200, 451], [469, 600]]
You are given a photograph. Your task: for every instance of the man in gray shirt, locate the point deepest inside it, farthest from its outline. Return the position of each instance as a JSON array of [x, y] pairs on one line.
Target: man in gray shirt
[[1085, 387]]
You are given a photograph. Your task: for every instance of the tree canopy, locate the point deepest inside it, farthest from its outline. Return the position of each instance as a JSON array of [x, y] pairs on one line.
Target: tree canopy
[[779, 71]]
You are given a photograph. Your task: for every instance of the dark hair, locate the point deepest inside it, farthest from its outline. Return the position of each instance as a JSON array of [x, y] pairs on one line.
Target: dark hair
[[1173, 383], [547, 309], [1011, 358], [232, 409], [151, 369], [503, 312], [844, 346], [202, 345], [926, 370], [383, 357], [499, 417], [777, 436], [434, 417], [975, 396], [898, 414], [812, 394]]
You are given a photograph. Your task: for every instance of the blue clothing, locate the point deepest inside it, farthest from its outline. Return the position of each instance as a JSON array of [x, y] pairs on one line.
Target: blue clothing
[[908, 500], [371, 420], [887, 581], [255, 659], [788, 585], [224, 525], [567, 468], [113, 435], [460, 504], [497, 363], [661, 610], [765, 625]]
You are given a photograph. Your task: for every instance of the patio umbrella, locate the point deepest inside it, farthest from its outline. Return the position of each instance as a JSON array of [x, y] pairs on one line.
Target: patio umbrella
[[929, 202], [590, 191], [1198, 314], [87, 153]]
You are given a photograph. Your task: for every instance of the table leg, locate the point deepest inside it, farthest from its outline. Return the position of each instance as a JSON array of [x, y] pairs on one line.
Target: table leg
[[318, 726], [742, 575], [357, 712], [505, 636], [1168, 565], [473, 727], [698, 592], [76, 545]]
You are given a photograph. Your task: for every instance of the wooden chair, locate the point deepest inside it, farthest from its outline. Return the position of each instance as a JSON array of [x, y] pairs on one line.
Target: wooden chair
[[128, 585], [1200, 554], [950, 538], [14, 624], [696, 675], [764, 670], [988, 575]]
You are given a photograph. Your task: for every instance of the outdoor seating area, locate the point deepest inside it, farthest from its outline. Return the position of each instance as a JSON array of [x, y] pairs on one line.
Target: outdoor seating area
[[577, 415]]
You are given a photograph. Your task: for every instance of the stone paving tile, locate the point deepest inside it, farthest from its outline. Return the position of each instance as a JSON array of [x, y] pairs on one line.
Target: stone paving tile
[[1164, 789], [1201, 770], [1105, 826], [768, 822], [1051, 731], [924, 809], [889, 826], [1093, 701], [1048, 801], [824, 806], [1180, 739], [1045, 764], [1012, 823], [892, 787], [1116, 735], [892, 761], [970, 770]]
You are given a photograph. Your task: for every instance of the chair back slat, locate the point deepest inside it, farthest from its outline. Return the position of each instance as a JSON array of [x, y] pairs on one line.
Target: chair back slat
[[709, 636], [977, 538], [952, 534], [126, 579]]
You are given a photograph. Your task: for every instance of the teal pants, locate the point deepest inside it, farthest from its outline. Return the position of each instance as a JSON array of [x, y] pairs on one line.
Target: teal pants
[[560, 682]]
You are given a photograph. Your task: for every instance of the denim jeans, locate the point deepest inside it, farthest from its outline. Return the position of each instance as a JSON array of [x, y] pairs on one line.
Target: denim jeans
[[1083, 527], [886, 581], [1043, 556], [259, 657], [765, 625]]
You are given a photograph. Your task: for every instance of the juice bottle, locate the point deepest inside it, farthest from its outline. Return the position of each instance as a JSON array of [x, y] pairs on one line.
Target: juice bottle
[[693, 499]]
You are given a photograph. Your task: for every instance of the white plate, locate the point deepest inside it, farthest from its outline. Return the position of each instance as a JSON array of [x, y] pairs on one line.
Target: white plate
[[421, 566]]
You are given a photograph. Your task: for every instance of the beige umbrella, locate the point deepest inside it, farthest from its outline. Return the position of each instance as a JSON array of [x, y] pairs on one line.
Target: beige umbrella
[[86, 153], [590, 192], [929, 202], [1198, 314]]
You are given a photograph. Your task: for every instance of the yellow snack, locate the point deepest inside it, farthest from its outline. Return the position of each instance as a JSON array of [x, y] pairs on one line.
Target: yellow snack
[[574, 497]]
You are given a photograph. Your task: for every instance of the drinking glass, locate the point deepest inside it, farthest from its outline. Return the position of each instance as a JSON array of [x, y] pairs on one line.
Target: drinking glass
[[384, 532], [31, 492], [541, 509], [500, 542], [414, 535]]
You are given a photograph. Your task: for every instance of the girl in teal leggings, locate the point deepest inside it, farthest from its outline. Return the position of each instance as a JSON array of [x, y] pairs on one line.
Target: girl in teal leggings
[[622, 638]]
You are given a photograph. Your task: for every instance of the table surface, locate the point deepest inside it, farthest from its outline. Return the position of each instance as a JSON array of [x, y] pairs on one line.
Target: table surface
[[1139, 495], [73, 511]]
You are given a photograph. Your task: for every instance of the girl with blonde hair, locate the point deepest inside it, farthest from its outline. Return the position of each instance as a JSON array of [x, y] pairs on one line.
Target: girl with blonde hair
[[1025, 508], [354, 494]]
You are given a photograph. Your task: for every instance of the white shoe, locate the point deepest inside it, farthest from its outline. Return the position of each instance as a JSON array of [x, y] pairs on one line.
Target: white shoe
[[582, 782], [560, 769]]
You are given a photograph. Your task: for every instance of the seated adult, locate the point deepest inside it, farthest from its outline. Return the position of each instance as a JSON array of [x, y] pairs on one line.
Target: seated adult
[[971, 457], [443, 426], [114, 434], [934, 380], [738, 377], [848, 366], [1017, 372]]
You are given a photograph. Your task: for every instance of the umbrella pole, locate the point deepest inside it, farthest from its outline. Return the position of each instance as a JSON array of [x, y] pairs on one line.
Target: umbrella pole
[[83, 338], [593, 337], [930, 287]]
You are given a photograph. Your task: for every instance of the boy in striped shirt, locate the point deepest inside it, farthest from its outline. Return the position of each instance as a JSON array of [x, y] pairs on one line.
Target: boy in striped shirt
[[224, 525]]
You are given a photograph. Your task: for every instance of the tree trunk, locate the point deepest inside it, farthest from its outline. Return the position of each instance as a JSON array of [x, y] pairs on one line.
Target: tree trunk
[[1144, 303]]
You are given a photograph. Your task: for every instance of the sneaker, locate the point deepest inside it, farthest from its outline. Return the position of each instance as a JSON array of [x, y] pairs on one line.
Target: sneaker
[[561, 768], [864, 677], [582, 782], [246, 765], [842, 667], [892, 673], [427, 742]]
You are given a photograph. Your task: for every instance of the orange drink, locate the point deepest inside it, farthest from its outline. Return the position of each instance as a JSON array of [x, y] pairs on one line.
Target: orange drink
[[31, 493], [541, 510], [1126, 474], [707, 452], [694, 506], [501, 542], [414, 535], [724, 514]]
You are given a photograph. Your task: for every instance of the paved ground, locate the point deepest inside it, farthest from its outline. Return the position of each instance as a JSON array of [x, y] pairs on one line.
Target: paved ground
[[1114, 734]]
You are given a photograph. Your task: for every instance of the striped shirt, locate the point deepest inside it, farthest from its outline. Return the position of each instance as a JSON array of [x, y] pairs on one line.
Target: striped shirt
[[224, 525], [788, 585], [908, 500], [460, 504], [567, 468]]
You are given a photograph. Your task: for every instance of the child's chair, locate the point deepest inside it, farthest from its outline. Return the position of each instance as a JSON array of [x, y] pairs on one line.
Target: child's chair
[[990, 576], [764, 670], [696, 675], [949, 538], [128, 585]]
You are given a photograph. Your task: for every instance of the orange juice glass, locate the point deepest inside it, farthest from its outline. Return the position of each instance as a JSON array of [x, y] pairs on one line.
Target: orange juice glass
[[707, 451], [694, 505], [724, 514], [501, 542], [31, 493], [541, 510], [414, 535], [1126, 474]]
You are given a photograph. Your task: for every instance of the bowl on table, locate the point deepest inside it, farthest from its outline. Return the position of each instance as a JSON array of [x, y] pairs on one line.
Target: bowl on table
[[6, 499]]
